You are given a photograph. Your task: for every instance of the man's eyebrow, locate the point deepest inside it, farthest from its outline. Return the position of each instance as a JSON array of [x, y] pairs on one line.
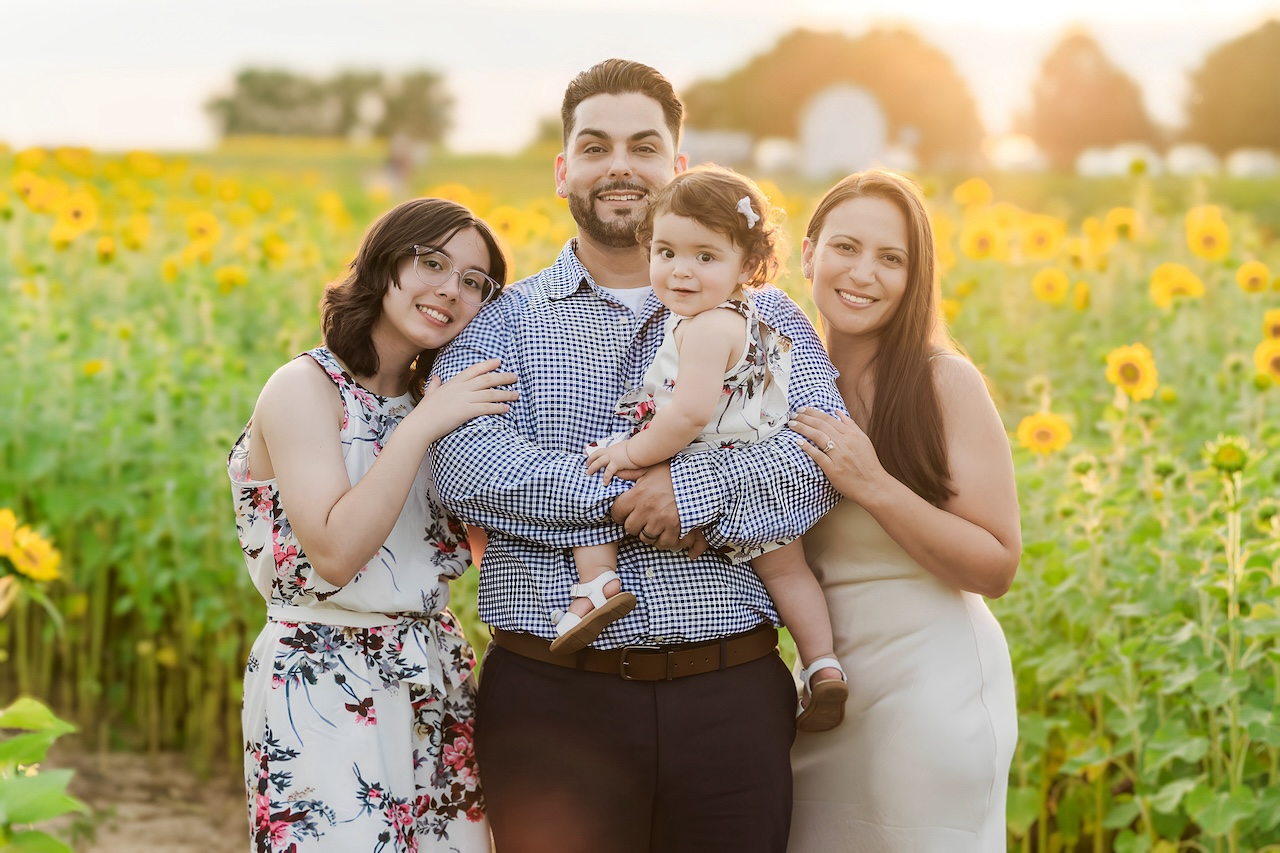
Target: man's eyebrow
[[596, 133]]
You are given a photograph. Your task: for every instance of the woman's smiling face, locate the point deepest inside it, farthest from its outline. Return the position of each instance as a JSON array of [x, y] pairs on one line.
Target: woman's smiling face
[[858, 265]]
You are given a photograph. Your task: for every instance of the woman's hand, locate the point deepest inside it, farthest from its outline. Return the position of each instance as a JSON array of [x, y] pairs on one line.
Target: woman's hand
[[843, 452], [472, 393]]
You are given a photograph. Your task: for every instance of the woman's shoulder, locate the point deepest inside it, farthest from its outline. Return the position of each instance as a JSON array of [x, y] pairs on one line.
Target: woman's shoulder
[[954, 375], [301, 380]]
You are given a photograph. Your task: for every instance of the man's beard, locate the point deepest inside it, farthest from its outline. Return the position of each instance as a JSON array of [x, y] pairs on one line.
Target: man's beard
[[617, 232]]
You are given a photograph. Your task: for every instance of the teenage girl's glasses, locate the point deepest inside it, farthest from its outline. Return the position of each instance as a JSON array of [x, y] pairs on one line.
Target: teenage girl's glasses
[[434, 268]]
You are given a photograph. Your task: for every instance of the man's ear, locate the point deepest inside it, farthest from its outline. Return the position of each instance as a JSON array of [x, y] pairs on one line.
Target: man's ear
[[682, 162], [562, 185]]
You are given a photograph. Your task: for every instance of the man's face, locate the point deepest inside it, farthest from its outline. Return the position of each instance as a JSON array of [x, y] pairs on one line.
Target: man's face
[[619, 152]]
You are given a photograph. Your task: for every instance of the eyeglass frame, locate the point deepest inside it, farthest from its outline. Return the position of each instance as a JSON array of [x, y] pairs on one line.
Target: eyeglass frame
[[421, 251]]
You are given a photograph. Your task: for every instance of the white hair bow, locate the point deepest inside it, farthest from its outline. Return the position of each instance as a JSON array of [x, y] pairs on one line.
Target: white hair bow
[[745, 208]]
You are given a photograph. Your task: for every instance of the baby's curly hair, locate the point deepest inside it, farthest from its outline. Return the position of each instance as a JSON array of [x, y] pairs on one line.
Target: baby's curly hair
[[710, 196]]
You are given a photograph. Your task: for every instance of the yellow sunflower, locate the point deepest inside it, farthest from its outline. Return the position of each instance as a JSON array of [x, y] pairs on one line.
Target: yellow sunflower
[[1042, 237], [510, 224], [973, 192], [1271, 324], [950, 309], [79, 211], [203, 227], [1207, 234], [1044, 432], [77, 161], [144, 164], [1172, 281], [1051, 285], [33, 556], [459, 193], [229, 277], [1133, 370], [980, 238], [1253, 277], [136, 232], [106, 248], [1266, 358], [1122, 224]]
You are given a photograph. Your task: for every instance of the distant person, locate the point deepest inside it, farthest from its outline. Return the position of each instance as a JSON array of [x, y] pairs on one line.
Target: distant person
[[672, 731], [718, 383], [928, 525], [359, 700]]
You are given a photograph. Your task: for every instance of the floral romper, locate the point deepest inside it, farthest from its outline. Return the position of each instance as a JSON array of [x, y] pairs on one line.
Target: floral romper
[[753, 401], [359, 701]]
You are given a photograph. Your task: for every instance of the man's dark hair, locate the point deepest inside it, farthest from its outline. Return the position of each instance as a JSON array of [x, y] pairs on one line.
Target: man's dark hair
[[622, 77]]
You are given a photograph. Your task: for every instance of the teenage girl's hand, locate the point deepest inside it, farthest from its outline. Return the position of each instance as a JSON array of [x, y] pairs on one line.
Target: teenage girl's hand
[[612, 460], [843, 452], [473, 392]]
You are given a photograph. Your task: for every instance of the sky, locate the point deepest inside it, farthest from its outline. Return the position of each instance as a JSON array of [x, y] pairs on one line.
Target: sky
[[136, 73]]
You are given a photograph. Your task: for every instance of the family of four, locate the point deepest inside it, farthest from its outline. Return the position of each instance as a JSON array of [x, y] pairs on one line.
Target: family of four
[[668, 464]]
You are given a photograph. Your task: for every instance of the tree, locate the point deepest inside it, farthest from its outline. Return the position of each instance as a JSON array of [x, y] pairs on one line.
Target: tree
[[275, 102], [418, 108], [1081, 100], [914, 82], [1234, 101]]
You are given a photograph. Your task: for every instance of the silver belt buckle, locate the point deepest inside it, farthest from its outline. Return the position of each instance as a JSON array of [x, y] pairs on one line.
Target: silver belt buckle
[[626, 650]]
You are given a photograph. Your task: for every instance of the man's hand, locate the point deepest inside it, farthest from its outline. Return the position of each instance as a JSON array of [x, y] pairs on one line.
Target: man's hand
[[648, 510]]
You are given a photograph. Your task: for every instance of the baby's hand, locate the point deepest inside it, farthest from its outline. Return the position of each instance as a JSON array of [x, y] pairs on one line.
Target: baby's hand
[[611, 460]]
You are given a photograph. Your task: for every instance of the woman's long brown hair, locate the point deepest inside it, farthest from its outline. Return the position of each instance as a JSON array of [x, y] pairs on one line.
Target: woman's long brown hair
[[905, 425]]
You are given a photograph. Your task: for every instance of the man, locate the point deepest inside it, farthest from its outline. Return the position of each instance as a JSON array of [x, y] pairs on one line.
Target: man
[[672, 732]]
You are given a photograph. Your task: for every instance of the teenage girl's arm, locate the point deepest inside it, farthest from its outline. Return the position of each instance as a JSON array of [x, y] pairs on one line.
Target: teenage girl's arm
[[708, 344], [296, 440], [974, 540]]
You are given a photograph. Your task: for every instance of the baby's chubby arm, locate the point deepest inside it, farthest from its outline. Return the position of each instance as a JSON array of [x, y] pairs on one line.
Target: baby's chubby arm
[[708, 344]]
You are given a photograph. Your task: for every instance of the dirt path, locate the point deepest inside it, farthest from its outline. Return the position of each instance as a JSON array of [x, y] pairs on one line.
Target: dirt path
[[153, 804]]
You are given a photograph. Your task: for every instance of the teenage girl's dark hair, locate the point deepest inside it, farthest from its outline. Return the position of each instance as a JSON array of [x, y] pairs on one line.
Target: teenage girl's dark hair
[[711, 196], [351, 307], [906, 420]]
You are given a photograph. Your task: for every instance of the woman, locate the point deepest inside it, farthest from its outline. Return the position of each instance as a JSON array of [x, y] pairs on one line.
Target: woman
[[928, 526], [359, 700]]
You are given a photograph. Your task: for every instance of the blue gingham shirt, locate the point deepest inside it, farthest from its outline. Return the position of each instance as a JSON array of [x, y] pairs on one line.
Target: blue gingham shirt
[[522, 476]]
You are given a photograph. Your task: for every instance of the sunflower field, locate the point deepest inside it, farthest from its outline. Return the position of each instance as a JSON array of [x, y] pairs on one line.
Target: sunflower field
[[1129, 328]]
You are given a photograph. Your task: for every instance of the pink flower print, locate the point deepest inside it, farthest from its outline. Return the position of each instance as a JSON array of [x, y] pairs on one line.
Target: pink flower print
[[645, 409], [262, 810], [262, 500], [457, 754], [399, 814], [285, 555], [469, 778], [278, 831], [475, 814]]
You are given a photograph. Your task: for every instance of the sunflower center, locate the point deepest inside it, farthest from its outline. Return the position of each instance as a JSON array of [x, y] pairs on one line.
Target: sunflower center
[[1044, 435], [1130, 372]]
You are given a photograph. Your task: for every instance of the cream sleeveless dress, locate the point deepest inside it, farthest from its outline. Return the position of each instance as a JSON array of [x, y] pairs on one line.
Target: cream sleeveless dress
[[921, 762]]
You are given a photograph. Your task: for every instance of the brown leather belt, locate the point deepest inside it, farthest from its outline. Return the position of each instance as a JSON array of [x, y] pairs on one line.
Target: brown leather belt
[[650, 663]]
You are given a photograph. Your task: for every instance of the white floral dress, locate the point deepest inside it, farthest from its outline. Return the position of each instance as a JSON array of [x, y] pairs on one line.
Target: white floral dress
[[359, 701]]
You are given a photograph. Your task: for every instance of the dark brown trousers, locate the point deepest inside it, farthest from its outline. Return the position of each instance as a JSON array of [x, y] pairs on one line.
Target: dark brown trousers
[[580, 762]]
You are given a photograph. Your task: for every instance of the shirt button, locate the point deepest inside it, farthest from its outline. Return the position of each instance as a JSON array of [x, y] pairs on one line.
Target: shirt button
[[649, 574], [623, 320]]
